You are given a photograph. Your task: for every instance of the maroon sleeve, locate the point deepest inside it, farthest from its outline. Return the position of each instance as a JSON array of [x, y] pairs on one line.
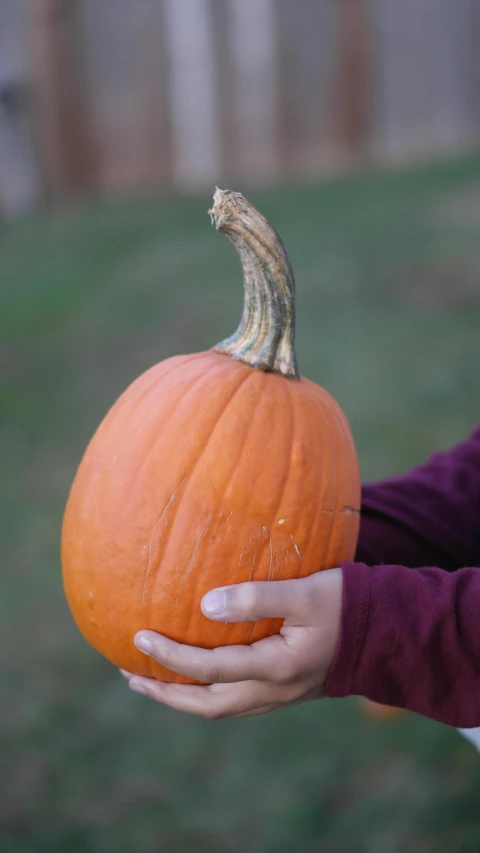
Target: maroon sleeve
[[412, 638], [383, 540]]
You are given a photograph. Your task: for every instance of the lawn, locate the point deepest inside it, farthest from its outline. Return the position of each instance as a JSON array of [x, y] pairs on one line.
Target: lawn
[[388, 282]]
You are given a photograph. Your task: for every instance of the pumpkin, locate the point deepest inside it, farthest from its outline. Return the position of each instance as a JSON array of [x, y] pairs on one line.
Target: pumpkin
[[211, 469]]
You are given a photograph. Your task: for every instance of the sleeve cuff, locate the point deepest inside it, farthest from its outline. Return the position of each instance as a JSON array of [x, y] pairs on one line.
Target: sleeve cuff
[[355, 608]]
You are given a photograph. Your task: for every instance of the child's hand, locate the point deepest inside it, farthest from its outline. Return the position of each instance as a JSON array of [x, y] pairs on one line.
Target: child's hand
[[286, 669]]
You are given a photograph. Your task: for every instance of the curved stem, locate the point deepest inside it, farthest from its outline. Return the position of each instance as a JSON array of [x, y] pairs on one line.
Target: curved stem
[[265, 336]]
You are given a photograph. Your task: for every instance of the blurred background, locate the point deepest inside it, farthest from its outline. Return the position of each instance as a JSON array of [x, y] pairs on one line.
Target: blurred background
[[354, 125]]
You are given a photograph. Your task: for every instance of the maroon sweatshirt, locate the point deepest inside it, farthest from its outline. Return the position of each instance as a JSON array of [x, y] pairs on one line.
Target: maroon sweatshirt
[[410, 633]]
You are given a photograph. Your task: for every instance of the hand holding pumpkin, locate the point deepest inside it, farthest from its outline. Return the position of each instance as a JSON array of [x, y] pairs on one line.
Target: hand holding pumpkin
[[285, 669]]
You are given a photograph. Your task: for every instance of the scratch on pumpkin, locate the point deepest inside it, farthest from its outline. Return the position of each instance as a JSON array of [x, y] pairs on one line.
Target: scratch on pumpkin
[[271, 561], [190, 562], [297, 549], [150, 544], [348, 510]]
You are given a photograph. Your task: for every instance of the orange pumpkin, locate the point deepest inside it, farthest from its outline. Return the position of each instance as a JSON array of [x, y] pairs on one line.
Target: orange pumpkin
[[211, 469]]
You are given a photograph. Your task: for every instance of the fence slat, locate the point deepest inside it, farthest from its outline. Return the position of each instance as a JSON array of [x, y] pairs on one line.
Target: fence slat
[[62, 115], [353, 77], [193, 98], [253, 50], [19, 179], [307, 35]]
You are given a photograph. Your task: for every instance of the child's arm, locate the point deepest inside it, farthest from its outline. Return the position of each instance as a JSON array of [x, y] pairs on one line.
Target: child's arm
[[412, 639]]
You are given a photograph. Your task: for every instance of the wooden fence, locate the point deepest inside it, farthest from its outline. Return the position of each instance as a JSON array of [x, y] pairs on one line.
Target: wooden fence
[[106, 95]]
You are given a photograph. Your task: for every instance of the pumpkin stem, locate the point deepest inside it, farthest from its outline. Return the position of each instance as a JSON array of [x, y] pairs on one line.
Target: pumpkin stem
[[265, 336]]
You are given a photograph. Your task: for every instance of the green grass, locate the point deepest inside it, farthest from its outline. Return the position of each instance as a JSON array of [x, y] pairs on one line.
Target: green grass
[[388, 276]]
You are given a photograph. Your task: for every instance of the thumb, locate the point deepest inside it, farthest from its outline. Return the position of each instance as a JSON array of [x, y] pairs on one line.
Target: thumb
[[248, 602]]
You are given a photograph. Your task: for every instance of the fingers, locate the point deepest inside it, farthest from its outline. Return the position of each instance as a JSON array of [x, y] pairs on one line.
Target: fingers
[[211, 703], [277, 660], [222, 665], [248, 602]]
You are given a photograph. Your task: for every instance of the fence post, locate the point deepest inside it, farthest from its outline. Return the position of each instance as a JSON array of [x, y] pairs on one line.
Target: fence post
[[62, 125], [352, 109]]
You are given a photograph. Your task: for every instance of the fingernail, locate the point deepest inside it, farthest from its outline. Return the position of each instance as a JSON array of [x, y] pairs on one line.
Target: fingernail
[[137, 688], [215, 602], [143, 643]]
